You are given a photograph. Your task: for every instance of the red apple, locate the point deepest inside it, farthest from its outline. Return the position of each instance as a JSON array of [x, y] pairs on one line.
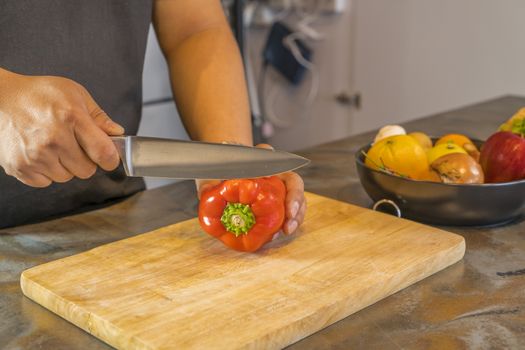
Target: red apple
[[503, 157]]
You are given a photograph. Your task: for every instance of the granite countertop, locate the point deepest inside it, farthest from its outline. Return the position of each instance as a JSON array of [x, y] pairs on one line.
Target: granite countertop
[[478, 302]]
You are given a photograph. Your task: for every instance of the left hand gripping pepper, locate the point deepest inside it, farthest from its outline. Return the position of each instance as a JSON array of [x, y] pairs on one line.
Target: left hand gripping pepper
[[244, 214]]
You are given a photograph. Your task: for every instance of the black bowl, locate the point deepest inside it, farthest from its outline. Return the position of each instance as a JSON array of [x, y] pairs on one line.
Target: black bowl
[[444, 204]]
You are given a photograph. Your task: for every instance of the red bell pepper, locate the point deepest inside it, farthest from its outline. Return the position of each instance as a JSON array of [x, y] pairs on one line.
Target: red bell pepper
[[244, 214]]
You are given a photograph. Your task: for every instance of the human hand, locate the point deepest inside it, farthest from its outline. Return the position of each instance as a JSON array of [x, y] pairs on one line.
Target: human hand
[[51, 130], [295, 200]]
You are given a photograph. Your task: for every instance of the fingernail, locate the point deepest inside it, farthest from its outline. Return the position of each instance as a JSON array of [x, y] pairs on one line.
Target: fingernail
[[119, 129], [292, 226], [116, 127], [295, 209]]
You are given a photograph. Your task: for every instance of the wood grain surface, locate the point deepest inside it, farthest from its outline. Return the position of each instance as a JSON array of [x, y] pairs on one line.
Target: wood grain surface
[[176, 287]]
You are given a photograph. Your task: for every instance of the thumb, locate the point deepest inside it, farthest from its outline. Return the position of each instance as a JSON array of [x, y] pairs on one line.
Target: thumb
[[101, 119]]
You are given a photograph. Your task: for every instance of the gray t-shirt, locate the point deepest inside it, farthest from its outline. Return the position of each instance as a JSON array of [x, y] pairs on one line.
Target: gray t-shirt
[[101, 45]]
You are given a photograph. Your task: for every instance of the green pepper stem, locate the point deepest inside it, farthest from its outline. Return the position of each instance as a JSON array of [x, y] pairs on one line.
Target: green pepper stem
[[237, 218]]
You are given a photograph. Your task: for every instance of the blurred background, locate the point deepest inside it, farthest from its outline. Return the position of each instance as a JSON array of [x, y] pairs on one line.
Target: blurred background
[[322, 70]]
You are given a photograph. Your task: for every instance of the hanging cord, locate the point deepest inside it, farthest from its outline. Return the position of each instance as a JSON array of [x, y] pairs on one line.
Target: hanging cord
[[290, 41], [304, 32], [268, 105], [286, 10], [260, 9], [307, 18]]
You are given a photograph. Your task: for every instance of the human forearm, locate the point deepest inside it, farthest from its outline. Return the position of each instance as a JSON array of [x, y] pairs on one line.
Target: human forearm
[[3, 74], [208, 84]]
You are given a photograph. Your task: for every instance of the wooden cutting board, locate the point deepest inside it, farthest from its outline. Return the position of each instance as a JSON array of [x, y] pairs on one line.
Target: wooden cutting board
[[176, 287]]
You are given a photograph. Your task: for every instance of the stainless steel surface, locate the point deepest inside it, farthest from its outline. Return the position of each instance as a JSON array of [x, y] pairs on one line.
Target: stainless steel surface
[[384, 201], [155, 157]]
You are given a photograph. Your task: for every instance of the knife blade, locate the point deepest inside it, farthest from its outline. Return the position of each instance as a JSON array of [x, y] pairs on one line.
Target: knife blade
[[178, 159]]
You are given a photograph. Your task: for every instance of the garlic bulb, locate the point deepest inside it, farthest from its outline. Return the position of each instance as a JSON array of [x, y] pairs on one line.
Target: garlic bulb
[[389, 130]]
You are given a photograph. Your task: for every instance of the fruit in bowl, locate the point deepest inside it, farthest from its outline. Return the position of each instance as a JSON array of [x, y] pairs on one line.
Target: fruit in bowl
[[434, 200], [462, 141], [503, 154], [503, 157], [456, 188], [412, 156], [453, 158], [424, 140], [443, 149], [514, 124], [399, 155], [459, 168], [387, 131]]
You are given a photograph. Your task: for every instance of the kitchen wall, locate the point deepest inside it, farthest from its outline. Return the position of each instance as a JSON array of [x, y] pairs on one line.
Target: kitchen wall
[[418, 57]]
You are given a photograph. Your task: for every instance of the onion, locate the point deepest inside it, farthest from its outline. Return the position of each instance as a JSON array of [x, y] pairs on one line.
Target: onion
[[458, 168]]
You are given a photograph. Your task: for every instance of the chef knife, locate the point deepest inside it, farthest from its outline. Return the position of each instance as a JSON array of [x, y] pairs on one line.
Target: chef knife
[[156, 157]]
